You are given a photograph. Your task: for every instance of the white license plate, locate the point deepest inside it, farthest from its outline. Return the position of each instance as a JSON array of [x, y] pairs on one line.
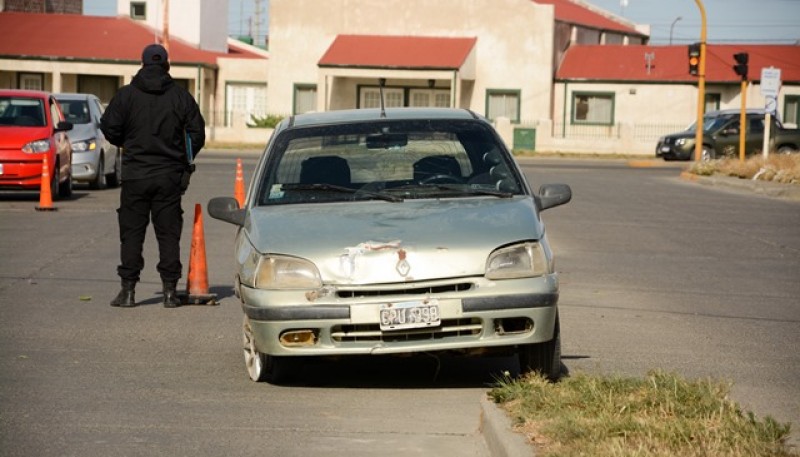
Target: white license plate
[[413, 314], [664, 148]]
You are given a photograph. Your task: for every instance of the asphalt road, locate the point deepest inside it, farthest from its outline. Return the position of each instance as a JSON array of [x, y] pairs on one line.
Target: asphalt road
[[656, 273], [661, 273]]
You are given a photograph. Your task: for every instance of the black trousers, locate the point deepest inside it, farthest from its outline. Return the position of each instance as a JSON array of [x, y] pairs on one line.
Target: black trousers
[[157, 198]]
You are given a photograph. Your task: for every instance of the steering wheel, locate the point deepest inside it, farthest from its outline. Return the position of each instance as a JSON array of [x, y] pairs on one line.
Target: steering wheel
[[441, 179]]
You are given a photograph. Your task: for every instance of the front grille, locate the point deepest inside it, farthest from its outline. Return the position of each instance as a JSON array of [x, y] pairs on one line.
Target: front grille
[[450, 328], [403, 290]]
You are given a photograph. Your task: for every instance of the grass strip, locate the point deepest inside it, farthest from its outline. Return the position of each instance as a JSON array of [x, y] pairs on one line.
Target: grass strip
[[661, 414]]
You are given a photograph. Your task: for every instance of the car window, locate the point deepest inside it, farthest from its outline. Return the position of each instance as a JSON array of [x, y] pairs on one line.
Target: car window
[[401, 159], [76, 111], [756, 125], [22, 111], [55, 114]]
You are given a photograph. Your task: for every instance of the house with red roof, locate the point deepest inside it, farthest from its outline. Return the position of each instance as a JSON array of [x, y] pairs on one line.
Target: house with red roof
[[75, 53], [628, 96]]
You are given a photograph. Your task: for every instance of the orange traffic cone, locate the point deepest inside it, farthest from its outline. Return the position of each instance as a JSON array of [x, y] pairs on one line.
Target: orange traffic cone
[[45, 196], [238, 191], [197, 282]]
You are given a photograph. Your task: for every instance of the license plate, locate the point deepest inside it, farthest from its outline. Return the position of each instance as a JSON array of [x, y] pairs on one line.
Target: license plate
[[413, 314], [664, 148]]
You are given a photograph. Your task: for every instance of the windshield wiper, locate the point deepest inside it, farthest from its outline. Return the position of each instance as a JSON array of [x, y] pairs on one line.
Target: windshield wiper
[[343, 189], [470, 190]]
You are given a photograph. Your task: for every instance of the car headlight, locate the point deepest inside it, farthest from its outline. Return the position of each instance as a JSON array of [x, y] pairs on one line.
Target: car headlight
[[680, 141], [37, 147], [81, 146], [524, 260], [279, 272]]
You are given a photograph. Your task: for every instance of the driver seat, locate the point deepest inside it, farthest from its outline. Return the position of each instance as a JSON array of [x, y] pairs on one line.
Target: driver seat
[[429, 166]]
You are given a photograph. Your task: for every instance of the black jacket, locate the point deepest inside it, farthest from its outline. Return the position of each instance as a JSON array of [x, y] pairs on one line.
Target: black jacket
[[151, 118]]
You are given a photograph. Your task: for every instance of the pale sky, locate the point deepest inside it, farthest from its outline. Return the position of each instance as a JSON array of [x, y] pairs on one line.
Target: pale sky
[[728, 21]]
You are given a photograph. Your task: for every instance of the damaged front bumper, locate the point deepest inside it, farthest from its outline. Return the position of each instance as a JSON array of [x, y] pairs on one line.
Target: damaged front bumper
[[474, 315]]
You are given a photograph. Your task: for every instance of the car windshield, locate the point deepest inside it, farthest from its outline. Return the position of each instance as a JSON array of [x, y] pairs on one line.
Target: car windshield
[[387, 160], [75, 111], [710, 124], [22, 112]]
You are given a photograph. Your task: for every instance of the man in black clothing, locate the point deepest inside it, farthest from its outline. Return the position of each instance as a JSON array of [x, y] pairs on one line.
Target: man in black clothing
[[159, 126]]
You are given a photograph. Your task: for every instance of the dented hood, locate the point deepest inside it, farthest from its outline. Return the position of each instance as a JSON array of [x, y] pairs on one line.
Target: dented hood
[[382, 242]]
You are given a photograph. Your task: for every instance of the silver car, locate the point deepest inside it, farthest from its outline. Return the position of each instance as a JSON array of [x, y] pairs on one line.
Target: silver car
[[94, 160], [392, 232]]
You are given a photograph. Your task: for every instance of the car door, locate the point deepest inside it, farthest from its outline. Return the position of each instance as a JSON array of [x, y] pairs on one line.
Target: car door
[[726, 140], [61, 140], [109, 150]]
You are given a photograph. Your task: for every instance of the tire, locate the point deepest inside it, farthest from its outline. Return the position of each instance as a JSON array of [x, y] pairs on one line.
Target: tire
[[99, 181], [707, 154], [787, 149], [544, 358], [114, 178], [65, 188], [54, 187], [263, 367]]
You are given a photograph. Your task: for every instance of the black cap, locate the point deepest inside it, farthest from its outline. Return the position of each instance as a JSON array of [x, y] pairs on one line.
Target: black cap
[[154, 54]]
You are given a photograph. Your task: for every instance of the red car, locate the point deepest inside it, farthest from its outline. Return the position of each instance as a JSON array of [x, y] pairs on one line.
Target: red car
[[32, 126]]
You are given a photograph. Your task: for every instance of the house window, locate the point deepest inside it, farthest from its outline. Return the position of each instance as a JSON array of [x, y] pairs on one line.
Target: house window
[[438, 98], [791, 110], [596, 108], [712, 102], [139, 10], [370, 97], [31, 81], [305, 98], [502, 103], [243, 101]]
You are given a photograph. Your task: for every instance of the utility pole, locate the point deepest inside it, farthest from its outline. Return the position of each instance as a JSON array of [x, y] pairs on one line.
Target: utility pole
[[165, 24], [701, 85], [257, 20]]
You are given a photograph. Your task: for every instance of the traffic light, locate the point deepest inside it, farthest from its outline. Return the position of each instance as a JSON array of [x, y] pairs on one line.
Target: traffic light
[[694, 59], [741, 64]]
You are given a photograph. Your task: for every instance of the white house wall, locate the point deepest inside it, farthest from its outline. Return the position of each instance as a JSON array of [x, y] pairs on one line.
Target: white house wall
[[513, 50], [202, 23]]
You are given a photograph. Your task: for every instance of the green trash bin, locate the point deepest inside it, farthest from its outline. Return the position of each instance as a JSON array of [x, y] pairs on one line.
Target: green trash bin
[[524, 139]]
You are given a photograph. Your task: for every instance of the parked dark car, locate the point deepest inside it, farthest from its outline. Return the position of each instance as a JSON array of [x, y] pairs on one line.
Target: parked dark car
[[401, 232], [721, 137], [94, 160], [32, 127]]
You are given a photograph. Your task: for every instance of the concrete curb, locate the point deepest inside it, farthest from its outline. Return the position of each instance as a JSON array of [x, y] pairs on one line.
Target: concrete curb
[[765, 188], [496, 428]]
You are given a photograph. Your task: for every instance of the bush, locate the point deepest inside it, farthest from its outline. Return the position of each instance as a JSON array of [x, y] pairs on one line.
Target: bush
[[267, 122], [783, 168]]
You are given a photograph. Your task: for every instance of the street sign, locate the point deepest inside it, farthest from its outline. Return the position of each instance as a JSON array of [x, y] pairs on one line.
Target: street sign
[[771, 105], [770, 82]]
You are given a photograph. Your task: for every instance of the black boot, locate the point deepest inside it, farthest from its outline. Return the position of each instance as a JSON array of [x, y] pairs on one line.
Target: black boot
[[125, 298], [171, 299]]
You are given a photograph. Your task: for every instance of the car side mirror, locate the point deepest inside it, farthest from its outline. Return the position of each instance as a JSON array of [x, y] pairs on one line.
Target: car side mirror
[[63, 126], [226, 209], [552, 195]]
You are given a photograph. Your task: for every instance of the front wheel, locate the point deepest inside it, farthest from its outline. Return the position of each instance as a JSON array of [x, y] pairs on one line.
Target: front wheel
[[787, 149], [99, 181], [707, 154], [264, 367], [544, 358]]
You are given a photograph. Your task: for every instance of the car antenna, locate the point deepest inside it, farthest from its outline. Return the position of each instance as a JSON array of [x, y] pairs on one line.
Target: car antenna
[[381, 83]]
